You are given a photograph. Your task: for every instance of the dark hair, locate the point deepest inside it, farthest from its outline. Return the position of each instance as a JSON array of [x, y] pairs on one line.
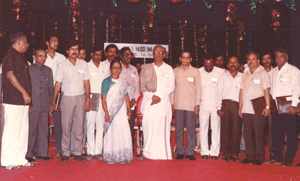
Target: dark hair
[[111, 46], [252, 52], [71, 44], [282, 50], [49, 36], [96, 49], [208, 57], [233, 56], [16, 36], [219, 54], [38, 49], [123, 50], [186, 51], [112, 63], [266, 52]]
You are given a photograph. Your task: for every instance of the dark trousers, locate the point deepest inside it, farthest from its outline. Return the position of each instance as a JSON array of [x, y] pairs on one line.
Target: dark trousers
[[190, 119], [271, 150], [38, 130], [57, 130], [231, 125], [287, 123], [254, 136], [131, 125]]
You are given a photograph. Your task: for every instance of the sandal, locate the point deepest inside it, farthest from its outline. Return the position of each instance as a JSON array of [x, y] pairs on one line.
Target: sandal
[[28, 164], [11, 167]]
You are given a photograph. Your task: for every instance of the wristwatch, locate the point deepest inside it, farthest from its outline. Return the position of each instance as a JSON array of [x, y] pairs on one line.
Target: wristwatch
[[267, 107]]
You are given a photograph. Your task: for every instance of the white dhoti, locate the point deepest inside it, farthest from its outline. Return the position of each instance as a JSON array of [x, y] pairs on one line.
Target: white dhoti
[[15, 135]]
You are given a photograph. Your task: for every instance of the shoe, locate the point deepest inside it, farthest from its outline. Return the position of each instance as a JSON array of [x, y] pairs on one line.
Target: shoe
[[30, 159], [84, 154], [235, 159], [28, 164], [205, 157], [64, 159], [89, 157], [298, 165], [257, 162], [246, 161], [214, 157], [58, 155], [272, 161], [286, 164], [72, 155], [140, 157], [179, 157], [190, 157], [225, 159], [11, 167], [80, 158], [44, 158], [99, 156]]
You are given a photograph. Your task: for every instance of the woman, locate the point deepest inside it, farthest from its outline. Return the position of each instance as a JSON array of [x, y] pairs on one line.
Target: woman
[[115, 103]]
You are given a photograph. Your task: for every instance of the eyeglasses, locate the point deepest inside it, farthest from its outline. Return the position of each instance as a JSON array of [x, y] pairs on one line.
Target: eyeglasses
[[128, 55], [158, 53]]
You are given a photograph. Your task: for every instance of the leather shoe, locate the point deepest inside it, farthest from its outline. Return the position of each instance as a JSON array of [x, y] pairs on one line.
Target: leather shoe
[[80, 158], [72, 155], [257, 162], [235, 159], [191, 157], [225, 159], [179, 157], [286, 164], [246, 161], [30, 159], [205, 157], [64, 159], [44, 158], [214, 157]]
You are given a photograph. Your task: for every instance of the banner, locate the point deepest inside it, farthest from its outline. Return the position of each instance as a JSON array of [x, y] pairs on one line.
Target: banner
[[139, 50]]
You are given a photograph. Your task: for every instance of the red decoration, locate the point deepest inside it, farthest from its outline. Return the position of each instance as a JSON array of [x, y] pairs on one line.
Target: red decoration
[[231, 10], [150, 15], [275, 19], [113, 25], [134, 1], [176, 1]]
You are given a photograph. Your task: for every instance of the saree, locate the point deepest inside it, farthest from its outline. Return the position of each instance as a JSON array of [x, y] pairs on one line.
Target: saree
[[117, 139]]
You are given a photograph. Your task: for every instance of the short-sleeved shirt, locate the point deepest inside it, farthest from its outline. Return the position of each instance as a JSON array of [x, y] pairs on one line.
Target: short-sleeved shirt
[[15, 62], [54, 62], [98, 74], [72, 77], [106, 85], [253, 86]]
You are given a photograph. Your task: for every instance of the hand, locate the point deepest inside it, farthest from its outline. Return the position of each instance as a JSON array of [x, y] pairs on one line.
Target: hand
[[291, 110], [107, 117], [54, 107], [220, 112], [298, 113], [266, 112], [29, 109], [27, 98], [129, 115], [87, 106], [196, 110], [155, 100], [132, 103], [240, 112], [51, 109]]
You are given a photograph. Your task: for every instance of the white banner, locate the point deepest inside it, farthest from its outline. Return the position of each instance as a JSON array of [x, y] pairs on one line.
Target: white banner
[[139, 50]]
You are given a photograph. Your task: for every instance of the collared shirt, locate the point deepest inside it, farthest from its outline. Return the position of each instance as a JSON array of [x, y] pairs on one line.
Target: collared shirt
[[228, 88], [132, 77], [187, 92], [286, 82], [107, 64], [209, 88], [72, 77], [15, 62], [253, 86], [97, 74], [53, 63]]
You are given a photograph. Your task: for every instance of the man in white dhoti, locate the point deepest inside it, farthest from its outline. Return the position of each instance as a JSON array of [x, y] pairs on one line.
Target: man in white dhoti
[[157, 83]]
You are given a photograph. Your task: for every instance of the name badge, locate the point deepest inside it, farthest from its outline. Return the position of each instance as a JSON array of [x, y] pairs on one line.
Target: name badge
[[288, 98], [283, 79], [256, 81], [214, 80], [190, 79], [93, 73], [81, 71], [238, 86], [133, 75], [165, 75]]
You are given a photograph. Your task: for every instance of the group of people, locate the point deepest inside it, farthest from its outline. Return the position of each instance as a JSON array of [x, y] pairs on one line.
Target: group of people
[[96, 102]]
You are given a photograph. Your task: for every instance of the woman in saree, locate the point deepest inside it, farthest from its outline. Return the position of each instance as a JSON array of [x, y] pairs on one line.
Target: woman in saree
[[117, 147]]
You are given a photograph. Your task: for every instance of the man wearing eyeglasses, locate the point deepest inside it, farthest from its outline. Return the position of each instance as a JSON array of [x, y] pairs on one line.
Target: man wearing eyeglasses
[[130, 74]]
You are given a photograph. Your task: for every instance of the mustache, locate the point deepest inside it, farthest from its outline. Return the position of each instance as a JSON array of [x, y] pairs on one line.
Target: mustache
[[74, 53]]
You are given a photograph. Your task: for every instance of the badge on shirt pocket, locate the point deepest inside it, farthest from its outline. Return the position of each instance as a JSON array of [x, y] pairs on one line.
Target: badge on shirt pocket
[[190, 79], [256, 81], [165, 75], [238, 86], [133, 75], [214, 80], [80, 71], [284, 80]]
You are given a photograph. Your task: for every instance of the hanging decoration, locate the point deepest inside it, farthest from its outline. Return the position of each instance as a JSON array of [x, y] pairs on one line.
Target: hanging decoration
[[231, 17], [145, 33], [205, 39], [241, 29], [153, 5], [18, 7], [292, 6], [55, 26], [182, 27], [176, 1], [32, 26], [132, 33], [120, 31], [75, 17], [115, 4], [113, 25], [208, 6], [93, 33], [170, 43], [151, 14], [202, 37], [226, 44], [134, 1], [196, 44], [81, 37], [106, 30], [275, 19]]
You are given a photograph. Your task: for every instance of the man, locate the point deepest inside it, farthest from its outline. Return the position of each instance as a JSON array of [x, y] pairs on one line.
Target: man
[[186, 102], [111, 53], [16, 99], [53, 60], [220, 61], [42, 92], [255, 83], [139, 67], [73, 76], [228, 88], [285, 82], [95, 118], [82, 54], [208, 108], [157, 83], [130, 74]]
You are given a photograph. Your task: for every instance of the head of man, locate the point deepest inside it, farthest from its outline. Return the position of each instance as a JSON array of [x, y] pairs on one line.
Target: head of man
[[72, 49], [220, 60], [97, 53], [52, 42], [252, 59], [185, 58], [40, 56], [115, 68], [82, 54], [266, 59], [281, 57], [126, 55], [208, 63], [19, 42], [111, 52], [233, 63], [159, 53]]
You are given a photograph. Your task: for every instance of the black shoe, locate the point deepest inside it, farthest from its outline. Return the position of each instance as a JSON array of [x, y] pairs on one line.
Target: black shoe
[[235, 159], [80, 158], [44, 158], [298, 165], [190, 157], [205, 157], [286, 164], [84, 154], [225, 159], [72, 155], [214, 157], [64, 159], [30, 160], [179, 157], [257, 162], [246, 161]]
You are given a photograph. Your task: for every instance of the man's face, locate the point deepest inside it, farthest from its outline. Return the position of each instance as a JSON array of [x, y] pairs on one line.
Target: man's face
[[280, 59], [40, 57], [233, 64], [53, 43], [208, 65], [116, 69], [111, 54], [219, 62], [158, 54], [23, 44], [97, 56], [82, 54], [185, 59], [252, 61], [126, 57], [73, 52], [266, 60]]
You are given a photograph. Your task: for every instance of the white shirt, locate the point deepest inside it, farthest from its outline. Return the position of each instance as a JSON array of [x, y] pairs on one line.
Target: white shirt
[[285, 82], [107, 64], [97, 75], [132, 77], [53, 63], [228, 88], [209, 87]]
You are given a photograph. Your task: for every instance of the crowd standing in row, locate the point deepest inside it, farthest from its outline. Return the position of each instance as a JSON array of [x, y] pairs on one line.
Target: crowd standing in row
[[99, 99]]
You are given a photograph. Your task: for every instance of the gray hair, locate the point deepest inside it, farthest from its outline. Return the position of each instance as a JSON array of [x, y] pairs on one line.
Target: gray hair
[[16, 36], [156, 46], [282, 50]]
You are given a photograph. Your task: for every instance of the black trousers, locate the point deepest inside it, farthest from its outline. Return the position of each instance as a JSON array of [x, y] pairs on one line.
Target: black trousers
[[287, 123], [254, 136], [231, 125]]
